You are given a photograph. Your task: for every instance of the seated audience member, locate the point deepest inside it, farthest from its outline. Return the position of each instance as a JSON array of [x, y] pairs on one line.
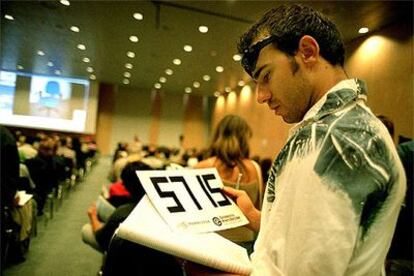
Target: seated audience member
[[230, 156], [134, 154], [25, 148], [98, 234], [400, 259], [44, 172]]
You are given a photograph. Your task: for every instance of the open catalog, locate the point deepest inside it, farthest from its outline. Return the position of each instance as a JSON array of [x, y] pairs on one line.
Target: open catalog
[[186, 227]]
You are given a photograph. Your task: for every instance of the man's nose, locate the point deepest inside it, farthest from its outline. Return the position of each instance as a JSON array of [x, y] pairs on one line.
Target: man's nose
[[262, 94]]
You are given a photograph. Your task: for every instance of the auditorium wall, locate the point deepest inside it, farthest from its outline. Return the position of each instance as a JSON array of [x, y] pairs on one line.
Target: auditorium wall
[[154, 117]]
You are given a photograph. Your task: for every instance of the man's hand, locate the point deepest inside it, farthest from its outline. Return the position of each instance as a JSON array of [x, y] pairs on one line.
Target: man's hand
[[246, 206]]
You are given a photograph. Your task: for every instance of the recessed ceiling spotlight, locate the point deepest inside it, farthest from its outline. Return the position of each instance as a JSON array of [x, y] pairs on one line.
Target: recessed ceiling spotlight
[[127, 74], [188, 90], [227, 89], [203, 29], [196, 84], [363, 30], [92, 77], [65, 2], [206, 77], [163, 79], [133, 38], [169, 72], [19, 67], [237, 57], [217, 94], [8, 17], [241, 83], [125, 81], [74, 29], [86, 59], [138, 16], [219, 69], [128, 65], [57, 72], [130, 54], [177, 61], [40, 53], [188, 48], [50, 64], [157, 85], [89, 69], [81, 47]]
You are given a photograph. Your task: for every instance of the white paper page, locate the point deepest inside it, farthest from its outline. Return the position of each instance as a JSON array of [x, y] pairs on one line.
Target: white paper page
[[145, 226]]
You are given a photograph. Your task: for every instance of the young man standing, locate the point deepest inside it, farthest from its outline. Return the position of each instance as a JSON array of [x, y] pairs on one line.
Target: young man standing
[[335, 189]]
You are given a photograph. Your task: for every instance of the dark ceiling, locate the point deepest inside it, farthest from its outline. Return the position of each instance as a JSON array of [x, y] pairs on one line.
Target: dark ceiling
[[105, 28]]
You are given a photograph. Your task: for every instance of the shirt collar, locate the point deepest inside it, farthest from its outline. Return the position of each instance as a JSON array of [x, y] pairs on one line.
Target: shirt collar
[[337, 97]]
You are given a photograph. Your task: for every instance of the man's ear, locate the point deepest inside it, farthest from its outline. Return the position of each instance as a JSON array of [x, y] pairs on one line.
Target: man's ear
[[308, 50]]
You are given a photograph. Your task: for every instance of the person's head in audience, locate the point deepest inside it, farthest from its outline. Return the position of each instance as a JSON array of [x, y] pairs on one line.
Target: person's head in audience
[[231, 140], [131, 181], [47, 148]]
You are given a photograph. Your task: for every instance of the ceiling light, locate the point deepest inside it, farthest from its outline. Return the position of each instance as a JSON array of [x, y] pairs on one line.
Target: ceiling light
[[177, 61], [206, 77], [217, 94], [92, 77], [125, 81], [40, 53], [188, 48], [157, 85], [89, 69], [81, 47], [65, 2], [227, 89], [203, 29], [57, 72], [163, 79], [19, 67], [363, 30], [133, 38], [219, 69], [188, 90], [50, 64], [237, 57], [128, 65], [196, 84], [86, 59], [169, 72], [130, 54], [241, 83], [138, 16], [8, 17], [127, 74], [74, 29]]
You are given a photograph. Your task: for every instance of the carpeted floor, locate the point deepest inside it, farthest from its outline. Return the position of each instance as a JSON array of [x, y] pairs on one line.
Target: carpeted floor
[[58, 248]]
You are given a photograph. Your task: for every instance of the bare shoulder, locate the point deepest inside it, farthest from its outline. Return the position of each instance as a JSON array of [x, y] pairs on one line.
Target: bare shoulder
[[206, 163]]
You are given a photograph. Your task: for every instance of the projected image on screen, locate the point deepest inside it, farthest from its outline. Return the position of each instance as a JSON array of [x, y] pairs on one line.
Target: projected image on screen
[[49, 98], [43, 101]]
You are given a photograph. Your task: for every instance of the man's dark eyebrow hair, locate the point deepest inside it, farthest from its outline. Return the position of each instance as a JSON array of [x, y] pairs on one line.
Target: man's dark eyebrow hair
[[257, 74]]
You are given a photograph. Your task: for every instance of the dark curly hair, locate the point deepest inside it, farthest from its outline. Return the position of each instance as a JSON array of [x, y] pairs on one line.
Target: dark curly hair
[[289, 23]]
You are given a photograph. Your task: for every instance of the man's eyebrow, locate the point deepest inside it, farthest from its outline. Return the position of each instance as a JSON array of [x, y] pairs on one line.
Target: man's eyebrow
[[257, 73]]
